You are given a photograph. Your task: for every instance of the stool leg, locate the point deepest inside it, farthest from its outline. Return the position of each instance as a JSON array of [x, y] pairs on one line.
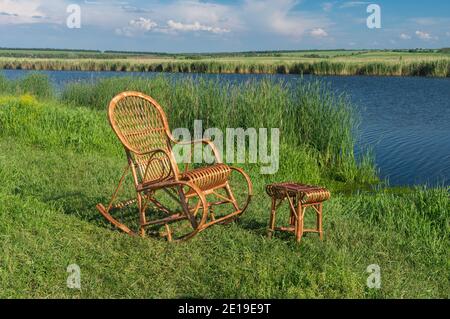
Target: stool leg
[[272, 218], [299, 223], [292, 218], [319, 221]]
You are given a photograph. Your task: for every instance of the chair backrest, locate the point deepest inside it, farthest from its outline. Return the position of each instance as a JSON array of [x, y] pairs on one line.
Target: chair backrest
[[141, 125]]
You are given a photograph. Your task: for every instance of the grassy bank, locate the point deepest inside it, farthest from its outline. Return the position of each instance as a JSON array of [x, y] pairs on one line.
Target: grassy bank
[[379, 63], [59, 159]]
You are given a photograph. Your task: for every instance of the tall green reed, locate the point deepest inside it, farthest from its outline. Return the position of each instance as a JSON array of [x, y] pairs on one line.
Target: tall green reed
[[35, 84], [310, 116]]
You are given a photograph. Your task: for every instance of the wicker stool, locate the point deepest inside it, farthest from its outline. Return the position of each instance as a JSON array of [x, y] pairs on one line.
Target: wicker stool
[[300, 197]]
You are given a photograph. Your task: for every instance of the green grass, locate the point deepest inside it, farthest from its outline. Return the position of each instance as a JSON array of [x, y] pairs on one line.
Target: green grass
[[59, 159], [333, 62]]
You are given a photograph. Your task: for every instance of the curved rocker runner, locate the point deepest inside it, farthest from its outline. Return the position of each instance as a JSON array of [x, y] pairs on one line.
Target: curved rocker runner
[[187, 202]]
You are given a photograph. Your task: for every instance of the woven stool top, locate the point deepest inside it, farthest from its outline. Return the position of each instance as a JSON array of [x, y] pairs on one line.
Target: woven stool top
[[307, 194]]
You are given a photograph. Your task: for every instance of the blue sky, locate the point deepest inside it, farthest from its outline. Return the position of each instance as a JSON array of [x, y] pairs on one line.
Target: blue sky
[[221, 25]]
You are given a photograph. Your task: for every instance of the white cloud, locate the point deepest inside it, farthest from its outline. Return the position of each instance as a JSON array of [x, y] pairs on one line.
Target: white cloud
[[276, 18], [318, 33], [194, 27], [447, 34], [102, 14], [405, 36], [143, 24], [280, 17], [190, 12], [182, 16], [425, 36], [20, 11], [137, 26]]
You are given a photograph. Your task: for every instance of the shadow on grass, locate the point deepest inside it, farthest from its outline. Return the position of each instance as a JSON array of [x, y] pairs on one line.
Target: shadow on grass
[[254, 226], [83, 207], [79, 205]]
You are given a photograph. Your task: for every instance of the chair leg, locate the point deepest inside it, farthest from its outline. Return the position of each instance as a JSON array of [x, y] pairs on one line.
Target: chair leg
[[185, 207], [119, 186], [231, 196], [169, 233], [143, 219], [273, 213], [235, 204], [299, 223], [212, 216], [105, 211]]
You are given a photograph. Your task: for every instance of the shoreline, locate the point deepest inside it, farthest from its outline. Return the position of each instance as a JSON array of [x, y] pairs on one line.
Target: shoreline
[[228, 73], [439, 68]]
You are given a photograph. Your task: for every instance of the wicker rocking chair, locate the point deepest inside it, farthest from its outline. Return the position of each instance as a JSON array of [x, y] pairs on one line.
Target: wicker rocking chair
[[180, 201]]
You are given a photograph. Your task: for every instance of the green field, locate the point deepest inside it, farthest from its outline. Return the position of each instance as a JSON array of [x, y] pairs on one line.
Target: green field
[[59, 159], [332, 62]]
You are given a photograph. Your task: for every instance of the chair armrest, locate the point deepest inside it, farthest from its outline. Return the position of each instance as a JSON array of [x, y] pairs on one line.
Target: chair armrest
[[152, 153], [155, 150], [204, 142]]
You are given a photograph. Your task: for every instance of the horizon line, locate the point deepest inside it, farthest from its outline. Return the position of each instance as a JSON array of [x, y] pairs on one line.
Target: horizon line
[[216, 52]]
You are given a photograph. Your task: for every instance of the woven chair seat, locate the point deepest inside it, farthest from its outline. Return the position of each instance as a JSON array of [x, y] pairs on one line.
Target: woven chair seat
[[207, 178], [307, 194]]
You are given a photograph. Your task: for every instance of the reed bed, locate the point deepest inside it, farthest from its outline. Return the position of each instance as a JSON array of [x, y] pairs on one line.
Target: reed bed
[[310, 117], [437, 67], [308, 114]]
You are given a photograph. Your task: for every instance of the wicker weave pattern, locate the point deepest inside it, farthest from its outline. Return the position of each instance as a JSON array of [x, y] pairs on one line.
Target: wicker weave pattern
[[307, 194], [208, 177], [141, 126]]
